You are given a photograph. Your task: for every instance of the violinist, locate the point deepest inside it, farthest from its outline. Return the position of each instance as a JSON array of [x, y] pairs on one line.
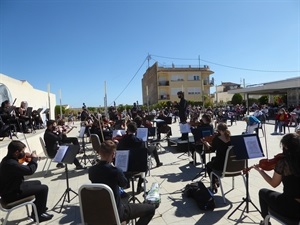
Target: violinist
[[53, 138], [220, 144], [204, 123], [287, 171], [64, 130], [12, 184]]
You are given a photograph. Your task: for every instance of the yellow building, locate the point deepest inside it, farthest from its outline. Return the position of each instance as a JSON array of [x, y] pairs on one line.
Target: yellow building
[[163, 83]]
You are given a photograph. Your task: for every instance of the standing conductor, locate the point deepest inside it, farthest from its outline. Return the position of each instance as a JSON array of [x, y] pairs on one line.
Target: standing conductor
[[182, 106]]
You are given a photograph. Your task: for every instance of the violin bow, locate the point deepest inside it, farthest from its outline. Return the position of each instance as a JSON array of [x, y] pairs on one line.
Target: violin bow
[[264, 132], [100, 126]]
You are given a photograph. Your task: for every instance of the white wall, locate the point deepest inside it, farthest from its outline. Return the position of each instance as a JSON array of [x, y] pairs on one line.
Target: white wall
[[23, 91]]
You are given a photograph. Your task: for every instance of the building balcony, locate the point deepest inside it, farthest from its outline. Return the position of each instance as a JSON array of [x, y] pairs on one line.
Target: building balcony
[[164, 97], [164, 83]]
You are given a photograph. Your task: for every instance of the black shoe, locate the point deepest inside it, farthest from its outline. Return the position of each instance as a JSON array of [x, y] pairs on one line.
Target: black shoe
[[48, 214], [159, 164], [60, 165], [42, 218]]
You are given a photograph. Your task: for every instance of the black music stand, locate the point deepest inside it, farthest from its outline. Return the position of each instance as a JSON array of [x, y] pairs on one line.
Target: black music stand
[[66, 154], [137, 163], [85, 159], [246, 147], [199, 133]]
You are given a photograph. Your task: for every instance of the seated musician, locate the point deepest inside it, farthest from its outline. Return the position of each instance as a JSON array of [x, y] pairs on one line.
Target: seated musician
[[162, 127], [22, 113], [204, 123], [64, 130], [287, 172], [130, 141], [105, 172], [9, 117], [53, 138], [152, 149], [12, 184], [220, 144]]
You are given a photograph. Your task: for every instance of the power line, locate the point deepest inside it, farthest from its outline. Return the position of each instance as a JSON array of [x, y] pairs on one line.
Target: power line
[[130, 81], [232, 67]]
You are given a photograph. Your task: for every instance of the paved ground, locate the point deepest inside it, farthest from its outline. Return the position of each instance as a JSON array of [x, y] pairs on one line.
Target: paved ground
[[172, 177]]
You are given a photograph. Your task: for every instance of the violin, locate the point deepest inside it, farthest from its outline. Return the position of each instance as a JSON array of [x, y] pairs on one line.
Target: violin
[[27, 158], [267, 164]]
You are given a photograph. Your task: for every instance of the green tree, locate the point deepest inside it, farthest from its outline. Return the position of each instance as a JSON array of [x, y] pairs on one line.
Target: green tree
[[263, 100], [237, 99]]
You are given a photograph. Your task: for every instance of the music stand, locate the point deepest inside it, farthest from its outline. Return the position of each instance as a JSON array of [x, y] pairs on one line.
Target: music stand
[[29, 111], [132, 162], [84, 158], [66, 154], [246, 147], [199, 133]]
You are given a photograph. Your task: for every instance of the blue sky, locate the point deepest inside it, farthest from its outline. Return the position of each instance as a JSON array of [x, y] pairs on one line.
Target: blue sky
[[77, 45]]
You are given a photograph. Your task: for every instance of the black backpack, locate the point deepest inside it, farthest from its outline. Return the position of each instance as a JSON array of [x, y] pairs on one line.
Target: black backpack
[[201, 195]]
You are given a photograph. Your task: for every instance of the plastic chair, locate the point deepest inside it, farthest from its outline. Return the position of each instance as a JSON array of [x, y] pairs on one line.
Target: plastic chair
[[96, 144], [281, 219], [98, 205], [46, 154], [232, 168], [9, 207]]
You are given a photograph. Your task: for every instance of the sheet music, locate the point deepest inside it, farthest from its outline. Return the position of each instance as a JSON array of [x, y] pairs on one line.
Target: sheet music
[[252, 147], [118, 133], [60, 153], [142, 133], [185, 128], [121, 159]]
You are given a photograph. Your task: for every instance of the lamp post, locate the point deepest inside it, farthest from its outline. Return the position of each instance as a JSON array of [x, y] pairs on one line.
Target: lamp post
[[61, 116], [49, 101]]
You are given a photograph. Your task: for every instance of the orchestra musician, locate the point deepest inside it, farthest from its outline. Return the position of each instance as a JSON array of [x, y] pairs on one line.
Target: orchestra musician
[[8, 115], [12, 184], [287, 172], [130, 141], [152, 149], [22, 115], [105, 172], [53, 138], [64, 130], [204, 123], [220, 144]]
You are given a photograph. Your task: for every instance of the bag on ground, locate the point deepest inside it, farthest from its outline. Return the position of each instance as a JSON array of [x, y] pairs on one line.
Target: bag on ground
[[201, 195]]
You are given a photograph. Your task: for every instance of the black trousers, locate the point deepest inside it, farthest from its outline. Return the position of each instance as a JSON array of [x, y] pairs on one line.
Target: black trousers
[[143, 211], [278, 202], [153, 151], [29, 188]]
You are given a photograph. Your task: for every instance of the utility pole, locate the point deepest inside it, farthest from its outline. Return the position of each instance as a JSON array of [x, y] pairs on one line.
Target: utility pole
[[148, 58], [105, 99]]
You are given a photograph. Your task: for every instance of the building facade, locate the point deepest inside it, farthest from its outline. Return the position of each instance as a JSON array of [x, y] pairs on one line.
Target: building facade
[[163, 83], [222, 95], [22, 90]]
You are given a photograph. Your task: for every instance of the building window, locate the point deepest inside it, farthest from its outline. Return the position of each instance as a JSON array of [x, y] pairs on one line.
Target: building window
[[193, 77], [193, 91], [177, 77]]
